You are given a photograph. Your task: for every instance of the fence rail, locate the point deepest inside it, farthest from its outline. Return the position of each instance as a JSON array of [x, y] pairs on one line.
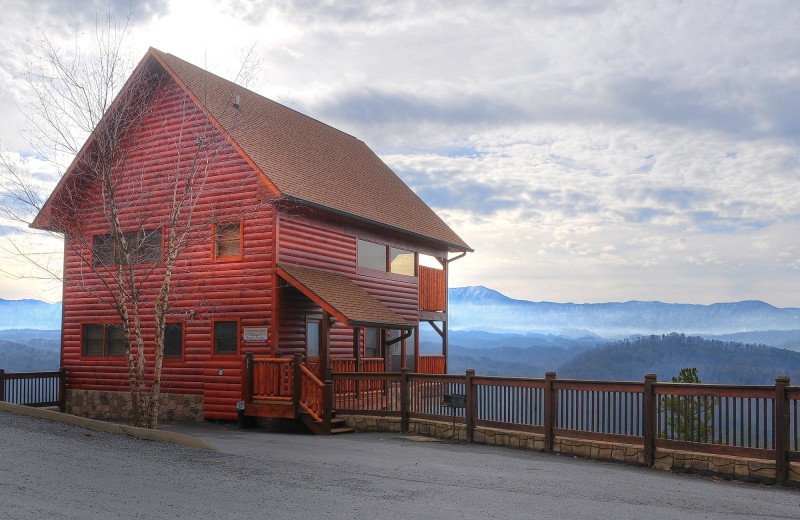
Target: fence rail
[[752, 421], [34, 388]]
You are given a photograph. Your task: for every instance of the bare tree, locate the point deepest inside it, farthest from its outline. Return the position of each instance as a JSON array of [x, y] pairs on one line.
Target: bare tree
[[78, 94]]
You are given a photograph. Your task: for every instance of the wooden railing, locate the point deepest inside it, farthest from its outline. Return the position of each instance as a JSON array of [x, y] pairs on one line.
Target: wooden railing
[[272, 378], [760, 422], [34, 388], [432, 364], [311, 394], [432, 289], [368, 365]]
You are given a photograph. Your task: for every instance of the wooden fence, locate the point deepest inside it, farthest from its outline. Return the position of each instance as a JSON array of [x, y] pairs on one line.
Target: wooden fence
[[34, 388], [760, 422]]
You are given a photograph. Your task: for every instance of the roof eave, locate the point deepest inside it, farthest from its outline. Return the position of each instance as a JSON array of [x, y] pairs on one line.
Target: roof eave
[[450, 246]]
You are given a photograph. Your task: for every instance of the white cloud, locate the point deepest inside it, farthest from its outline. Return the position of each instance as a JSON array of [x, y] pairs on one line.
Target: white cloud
[[588, 150]]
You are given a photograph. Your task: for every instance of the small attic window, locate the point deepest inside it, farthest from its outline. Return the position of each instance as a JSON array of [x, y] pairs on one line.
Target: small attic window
[[228, 240]]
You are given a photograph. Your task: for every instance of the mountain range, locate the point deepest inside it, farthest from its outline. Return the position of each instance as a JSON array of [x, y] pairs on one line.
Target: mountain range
[[480, 308], [29, 314]]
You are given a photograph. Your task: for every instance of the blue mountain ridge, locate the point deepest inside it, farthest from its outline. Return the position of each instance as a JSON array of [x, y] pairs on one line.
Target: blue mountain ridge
[[29, 314], [480, 308]]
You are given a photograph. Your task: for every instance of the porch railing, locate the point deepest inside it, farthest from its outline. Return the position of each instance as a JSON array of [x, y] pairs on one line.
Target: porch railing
[[34, 388], [272, 378], [760, 422], [431, 364]]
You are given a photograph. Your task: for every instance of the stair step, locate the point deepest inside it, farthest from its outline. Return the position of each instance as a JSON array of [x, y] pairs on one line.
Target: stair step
[[336, 431]]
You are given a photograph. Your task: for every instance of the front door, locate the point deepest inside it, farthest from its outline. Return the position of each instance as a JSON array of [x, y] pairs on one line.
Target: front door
[[313, 342]]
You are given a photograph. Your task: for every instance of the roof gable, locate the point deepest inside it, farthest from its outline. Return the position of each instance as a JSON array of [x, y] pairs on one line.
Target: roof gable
[[309, 161], [302, 159]]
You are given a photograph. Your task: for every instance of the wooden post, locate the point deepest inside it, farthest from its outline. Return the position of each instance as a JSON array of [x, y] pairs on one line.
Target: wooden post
[[549, 410], [327, 405], [472, 404], [649, 420], [62, 389], [781, 429], [2, 385], [405, 403], [325, 345], [357, 355], [247, 378], [297, 382]]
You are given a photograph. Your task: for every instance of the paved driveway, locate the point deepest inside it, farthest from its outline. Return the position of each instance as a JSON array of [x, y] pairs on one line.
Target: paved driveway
[[50, 470]]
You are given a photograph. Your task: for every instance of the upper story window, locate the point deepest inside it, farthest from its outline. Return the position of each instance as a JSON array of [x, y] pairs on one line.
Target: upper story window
[[228, 240], [371, 255], [144, 247], [402, 261], [102, 340], [381, 257]]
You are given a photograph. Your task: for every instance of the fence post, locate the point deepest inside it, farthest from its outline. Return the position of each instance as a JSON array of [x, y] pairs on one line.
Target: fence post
[[781, 428], [404, 399], [2, 385], [297, 382], [472, 404], [247, 378], [62, 389], [549, 410], [649, 419]]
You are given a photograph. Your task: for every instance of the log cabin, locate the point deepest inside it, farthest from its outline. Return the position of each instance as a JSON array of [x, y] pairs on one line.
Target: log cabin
[[304, 249]]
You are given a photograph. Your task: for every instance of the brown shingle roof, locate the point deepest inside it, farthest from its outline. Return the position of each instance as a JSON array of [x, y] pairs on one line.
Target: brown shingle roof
[[341, 297], [309, 161]]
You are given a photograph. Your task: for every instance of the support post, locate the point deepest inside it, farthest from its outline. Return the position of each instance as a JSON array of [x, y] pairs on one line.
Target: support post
[[357, 355], [247, 378], [472, 404], [297, 382], [649, 420], [405, 403], [781, 429], [327, 405], [2, 385], [325, 345], [549, 410], [62, 389]]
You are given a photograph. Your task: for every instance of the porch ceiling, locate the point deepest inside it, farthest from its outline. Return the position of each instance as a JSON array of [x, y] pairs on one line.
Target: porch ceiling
[[342, 298]]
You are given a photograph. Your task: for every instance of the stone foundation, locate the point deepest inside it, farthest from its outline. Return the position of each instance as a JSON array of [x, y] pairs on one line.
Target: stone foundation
[[96, 404], [752, 470]]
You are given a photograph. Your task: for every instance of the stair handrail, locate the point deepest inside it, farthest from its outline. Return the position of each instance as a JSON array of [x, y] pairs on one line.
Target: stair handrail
[[312, 395]]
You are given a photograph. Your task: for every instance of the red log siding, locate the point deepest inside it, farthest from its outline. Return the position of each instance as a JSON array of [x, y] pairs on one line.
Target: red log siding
[[315, 245], [212, 289]]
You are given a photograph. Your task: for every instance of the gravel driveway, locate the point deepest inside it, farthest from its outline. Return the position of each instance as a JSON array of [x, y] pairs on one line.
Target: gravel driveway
[[51, 470]]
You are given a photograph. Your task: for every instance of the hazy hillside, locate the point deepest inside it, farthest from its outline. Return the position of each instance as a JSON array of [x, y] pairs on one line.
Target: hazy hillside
[[29, 314], [479, 308], [716, 361], [19, 357]]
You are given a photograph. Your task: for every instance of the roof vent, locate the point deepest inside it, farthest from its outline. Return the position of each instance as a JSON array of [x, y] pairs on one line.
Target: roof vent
[[236, 103]]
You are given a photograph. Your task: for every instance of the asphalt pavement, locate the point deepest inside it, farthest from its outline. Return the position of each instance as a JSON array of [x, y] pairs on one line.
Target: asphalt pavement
[[55, 470]]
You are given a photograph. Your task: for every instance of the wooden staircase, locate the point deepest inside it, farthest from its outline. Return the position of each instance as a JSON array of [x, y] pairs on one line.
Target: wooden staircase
[[285, 388]]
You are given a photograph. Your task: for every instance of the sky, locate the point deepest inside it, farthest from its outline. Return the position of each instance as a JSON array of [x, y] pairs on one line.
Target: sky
[[588, 150]]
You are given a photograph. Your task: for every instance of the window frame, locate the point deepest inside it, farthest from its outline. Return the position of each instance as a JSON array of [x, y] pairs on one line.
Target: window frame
[[214, 241], [386, 272], [214, 322], [115, 260], [183, 342], [104, 355]]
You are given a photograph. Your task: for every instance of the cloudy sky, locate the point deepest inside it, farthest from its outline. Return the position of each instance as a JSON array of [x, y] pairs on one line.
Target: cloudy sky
[[588, 150]]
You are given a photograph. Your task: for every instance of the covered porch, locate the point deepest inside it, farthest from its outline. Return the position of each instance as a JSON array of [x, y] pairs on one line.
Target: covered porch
[[317, 308]]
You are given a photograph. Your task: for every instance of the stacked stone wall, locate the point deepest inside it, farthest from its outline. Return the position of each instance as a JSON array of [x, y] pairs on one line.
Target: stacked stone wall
[[96, 404]]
